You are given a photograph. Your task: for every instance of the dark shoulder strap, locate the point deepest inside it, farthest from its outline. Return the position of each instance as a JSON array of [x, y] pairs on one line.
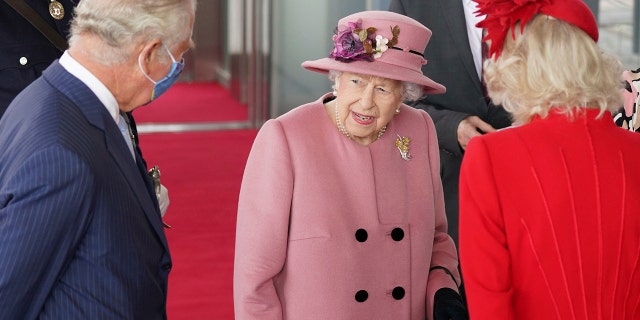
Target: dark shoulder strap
[[36, 20]]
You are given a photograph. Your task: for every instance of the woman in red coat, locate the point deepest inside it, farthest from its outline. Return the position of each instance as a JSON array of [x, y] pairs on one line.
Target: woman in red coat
[[554, 233], [341, 213]]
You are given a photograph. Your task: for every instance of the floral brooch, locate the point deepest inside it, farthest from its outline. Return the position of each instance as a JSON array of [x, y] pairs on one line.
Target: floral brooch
[[403, 146], [357, 43]]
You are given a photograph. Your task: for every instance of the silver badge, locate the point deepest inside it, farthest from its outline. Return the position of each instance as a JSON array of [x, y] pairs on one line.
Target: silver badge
[[154, 174]]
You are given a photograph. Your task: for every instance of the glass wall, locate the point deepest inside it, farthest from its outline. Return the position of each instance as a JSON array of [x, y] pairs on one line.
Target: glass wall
[[255, 47], [302, 30], [619, 29]]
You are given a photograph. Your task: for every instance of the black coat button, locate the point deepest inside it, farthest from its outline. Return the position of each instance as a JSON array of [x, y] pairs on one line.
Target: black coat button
[[397, 234], [362, 295], [361, 235], [398, 293], [166, 267]]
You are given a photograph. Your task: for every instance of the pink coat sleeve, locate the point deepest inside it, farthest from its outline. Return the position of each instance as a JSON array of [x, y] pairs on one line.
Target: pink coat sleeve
[[444, 252], [262, 225], [484, 255]]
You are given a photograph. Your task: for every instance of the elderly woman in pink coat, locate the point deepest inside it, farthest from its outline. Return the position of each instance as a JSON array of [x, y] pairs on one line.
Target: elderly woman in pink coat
[[341, 213]]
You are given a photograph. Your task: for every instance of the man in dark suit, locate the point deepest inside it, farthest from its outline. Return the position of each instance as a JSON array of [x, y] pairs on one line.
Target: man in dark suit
[[24, 51], [463, 111], [81, 234]]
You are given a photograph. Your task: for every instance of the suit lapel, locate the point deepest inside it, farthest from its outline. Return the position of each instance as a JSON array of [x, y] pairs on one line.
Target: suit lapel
[[453, 14], [154, 216], [98, 116], [137, 178]]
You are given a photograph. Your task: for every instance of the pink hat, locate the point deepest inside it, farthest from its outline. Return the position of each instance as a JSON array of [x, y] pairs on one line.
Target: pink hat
[[379, 43], [502, 16]]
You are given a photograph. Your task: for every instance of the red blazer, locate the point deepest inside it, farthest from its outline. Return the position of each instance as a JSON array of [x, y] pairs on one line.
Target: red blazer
[[550, 221]]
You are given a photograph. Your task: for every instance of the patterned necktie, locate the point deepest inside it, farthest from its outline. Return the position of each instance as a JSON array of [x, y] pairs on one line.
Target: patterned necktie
[[126, 134]]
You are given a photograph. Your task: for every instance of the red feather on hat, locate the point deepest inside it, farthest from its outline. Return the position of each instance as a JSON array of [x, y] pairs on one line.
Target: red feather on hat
[[502, 16]]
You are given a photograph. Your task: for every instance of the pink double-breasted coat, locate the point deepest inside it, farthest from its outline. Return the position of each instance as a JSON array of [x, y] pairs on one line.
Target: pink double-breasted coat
[[330, 229]]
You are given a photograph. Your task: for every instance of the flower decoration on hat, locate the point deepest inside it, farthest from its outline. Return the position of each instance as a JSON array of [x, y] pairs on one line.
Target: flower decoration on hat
[[355, 43], [502, 16]]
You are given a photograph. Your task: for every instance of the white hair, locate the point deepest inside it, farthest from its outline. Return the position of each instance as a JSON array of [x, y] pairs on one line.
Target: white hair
[[122, 24], [410, 91]]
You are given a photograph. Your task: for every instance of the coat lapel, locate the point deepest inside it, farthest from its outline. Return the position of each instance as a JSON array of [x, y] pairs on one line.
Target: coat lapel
[[96, 114]]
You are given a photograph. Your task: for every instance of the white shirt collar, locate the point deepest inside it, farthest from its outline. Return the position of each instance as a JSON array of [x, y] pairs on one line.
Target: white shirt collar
[[98, 88], [474, 33]]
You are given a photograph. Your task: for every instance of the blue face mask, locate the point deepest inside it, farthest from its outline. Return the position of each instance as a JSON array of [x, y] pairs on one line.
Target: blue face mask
[[165, 83]]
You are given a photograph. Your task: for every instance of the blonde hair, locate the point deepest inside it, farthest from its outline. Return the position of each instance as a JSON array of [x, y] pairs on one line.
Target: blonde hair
[[122, 24], [553, 64]]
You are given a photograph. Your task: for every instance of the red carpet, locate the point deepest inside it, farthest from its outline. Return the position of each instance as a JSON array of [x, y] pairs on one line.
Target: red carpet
[[203, 172], [192, 102]]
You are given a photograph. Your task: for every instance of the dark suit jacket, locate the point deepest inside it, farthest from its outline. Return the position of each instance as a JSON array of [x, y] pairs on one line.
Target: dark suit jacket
[[450, 63], [80, 230], [24, 51]]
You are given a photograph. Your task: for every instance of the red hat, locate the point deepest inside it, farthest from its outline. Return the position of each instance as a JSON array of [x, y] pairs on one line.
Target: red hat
[[379, 43], [502, 16]]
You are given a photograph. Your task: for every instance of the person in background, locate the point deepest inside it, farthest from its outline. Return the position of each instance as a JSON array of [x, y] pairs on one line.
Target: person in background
[[627, 115], [24, 51], [81, 233], [455, 60], [549, 209], [341, 212]]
